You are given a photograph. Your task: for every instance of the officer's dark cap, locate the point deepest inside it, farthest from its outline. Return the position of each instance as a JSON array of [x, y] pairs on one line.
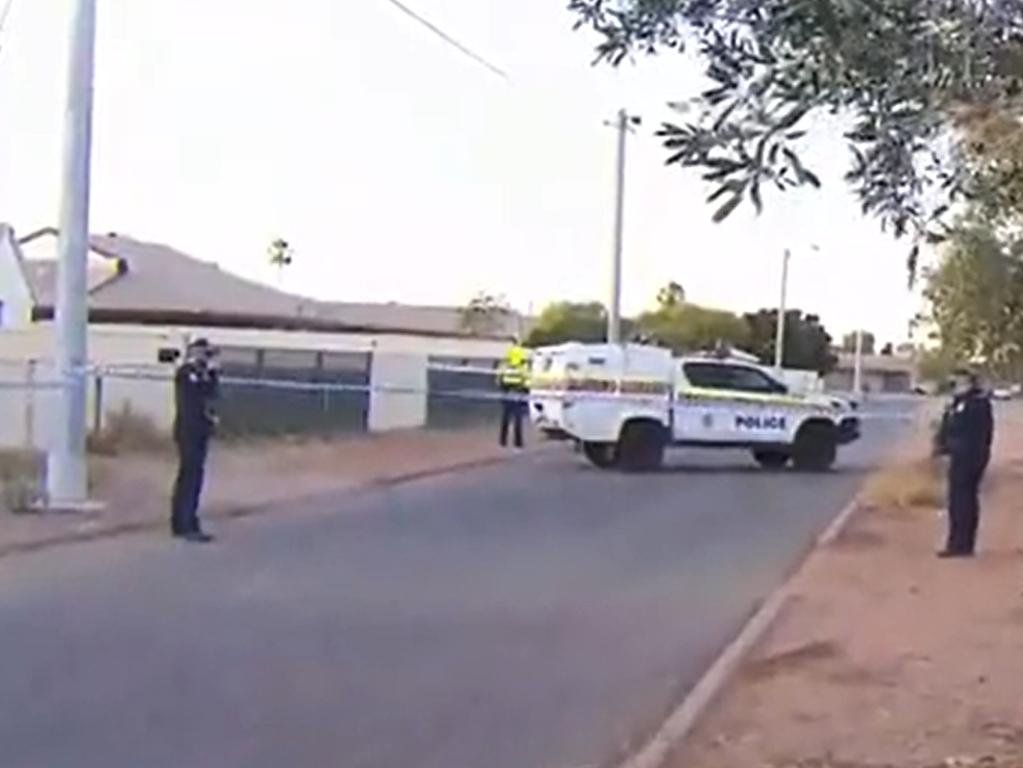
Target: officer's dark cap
[[202, 345]]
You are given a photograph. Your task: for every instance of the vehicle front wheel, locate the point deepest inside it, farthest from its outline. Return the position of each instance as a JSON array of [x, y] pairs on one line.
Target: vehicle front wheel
[[771, 459], [816, 448], [601, 455]]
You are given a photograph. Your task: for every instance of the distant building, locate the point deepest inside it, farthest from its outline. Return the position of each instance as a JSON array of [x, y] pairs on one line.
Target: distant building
[[880, 373]]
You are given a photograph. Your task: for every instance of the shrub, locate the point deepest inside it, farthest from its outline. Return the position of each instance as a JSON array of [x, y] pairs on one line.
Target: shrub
[[20, 488], [910, 485], [128, 432]]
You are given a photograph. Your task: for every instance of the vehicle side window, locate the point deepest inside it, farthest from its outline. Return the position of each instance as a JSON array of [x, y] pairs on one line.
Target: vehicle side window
[[730, 377], [752, 380], [708, 375]]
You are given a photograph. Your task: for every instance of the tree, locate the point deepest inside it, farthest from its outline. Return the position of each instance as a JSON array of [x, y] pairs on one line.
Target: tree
[[485, 314], [898, 71], [994, 152], [849, 343], [936, 364], [281, 255], [689, 328], [975, 298], [887, 350], [807, 343], [569, 321], [671, 295]]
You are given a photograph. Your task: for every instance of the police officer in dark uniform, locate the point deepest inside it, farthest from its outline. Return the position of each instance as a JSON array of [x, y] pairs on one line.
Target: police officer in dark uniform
[[196, 388], [967, 429]]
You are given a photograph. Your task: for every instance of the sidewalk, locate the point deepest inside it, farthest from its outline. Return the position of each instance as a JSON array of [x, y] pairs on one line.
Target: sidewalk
[[888, 656], [243, 479]]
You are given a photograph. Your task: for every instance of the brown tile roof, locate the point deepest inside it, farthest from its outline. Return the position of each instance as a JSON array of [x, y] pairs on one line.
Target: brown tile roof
[[128, 275]]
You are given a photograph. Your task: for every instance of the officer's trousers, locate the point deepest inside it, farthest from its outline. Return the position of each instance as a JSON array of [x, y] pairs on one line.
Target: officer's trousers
[[192, 452], [513, 409], [964, 478]]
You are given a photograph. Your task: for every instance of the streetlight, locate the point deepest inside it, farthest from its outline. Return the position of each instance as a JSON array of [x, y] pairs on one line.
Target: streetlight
[[779, 337], [67, 484], [858, 365], [624, 122]]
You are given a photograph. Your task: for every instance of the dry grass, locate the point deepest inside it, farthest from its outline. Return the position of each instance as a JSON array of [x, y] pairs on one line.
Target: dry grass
[[916, 484], [129, 432], [20, 487]]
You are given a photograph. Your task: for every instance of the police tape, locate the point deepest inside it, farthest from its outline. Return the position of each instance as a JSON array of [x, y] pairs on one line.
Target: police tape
[[868, 412]]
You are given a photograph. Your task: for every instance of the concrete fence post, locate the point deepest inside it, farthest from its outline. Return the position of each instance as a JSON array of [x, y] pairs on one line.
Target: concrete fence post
[[30, 405]]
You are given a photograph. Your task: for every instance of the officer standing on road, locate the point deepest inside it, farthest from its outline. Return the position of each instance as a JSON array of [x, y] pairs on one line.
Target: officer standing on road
[[513, 379], [967, 428], [196, 388]]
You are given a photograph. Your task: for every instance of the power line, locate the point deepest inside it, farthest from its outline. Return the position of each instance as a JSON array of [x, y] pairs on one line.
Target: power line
[[446, 38]]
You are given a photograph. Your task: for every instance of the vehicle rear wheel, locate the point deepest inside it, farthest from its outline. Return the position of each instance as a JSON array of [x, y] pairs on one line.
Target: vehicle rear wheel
[[641, 447], [816, 448], [601, 455], [771, 459]]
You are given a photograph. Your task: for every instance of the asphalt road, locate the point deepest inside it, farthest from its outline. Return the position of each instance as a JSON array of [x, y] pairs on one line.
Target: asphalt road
[[537, 614]]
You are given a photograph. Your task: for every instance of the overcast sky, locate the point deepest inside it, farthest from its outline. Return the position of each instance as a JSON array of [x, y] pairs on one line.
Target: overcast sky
[[401, 170]]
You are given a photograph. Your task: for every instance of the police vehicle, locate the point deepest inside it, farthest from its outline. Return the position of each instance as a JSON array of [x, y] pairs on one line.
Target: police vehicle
[[625, 404]]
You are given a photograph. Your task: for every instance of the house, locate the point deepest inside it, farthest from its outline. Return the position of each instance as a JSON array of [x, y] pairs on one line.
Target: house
[[387, 362], [132, 281], [16, 298], [894, 374]]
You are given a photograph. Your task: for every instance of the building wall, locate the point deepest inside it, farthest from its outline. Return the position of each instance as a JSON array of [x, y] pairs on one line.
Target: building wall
[[15, 296], [403, 409], [139, 381], [893, 382]]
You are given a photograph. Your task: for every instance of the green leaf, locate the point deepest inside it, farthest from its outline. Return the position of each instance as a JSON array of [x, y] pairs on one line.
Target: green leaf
[[728, 208]]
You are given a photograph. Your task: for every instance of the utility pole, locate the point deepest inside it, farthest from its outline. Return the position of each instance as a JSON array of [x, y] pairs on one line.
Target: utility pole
[[623, 123], [858, 365], [779, 337], [67, 485]]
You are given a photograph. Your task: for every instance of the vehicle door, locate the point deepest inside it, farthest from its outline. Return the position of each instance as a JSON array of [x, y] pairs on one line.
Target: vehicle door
[[731, 404], [761, 407], [702, 405]]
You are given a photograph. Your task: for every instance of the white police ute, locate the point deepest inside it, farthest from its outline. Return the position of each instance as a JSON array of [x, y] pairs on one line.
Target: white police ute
[[626, 404]]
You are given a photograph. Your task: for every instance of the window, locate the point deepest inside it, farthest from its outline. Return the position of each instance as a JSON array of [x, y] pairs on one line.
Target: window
[[707, 375], [752, 380], [731, 377]]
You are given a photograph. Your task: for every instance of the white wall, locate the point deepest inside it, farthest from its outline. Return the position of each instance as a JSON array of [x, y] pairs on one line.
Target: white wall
[[398, 360], [397, 410], [15, 294]]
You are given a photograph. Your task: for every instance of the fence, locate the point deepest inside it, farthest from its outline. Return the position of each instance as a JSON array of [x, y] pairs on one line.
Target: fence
[[267, 393], [455, 386]]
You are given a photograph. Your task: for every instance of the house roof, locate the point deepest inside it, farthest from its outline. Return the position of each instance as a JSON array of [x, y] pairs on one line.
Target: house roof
[[130, 277]]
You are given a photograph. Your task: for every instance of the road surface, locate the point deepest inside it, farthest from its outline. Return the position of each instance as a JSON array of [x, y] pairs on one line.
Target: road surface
[[538, 614]]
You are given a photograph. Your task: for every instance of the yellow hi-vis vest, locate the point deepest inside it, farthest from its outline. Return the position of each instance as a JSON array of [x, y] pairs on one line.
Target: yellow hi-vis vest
[[514, 371]]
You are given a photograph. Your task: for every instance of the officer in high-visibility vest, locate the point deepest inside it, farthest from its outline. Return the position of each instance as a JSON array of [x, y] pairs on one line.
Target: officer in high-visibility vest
[[513, 377]]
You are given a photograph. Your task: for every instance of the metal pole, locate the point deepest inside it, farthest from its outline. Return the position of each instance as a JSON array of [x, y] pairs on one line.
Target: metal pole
[[614, 329], [779, 338], [858, 365], [66, 471]]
